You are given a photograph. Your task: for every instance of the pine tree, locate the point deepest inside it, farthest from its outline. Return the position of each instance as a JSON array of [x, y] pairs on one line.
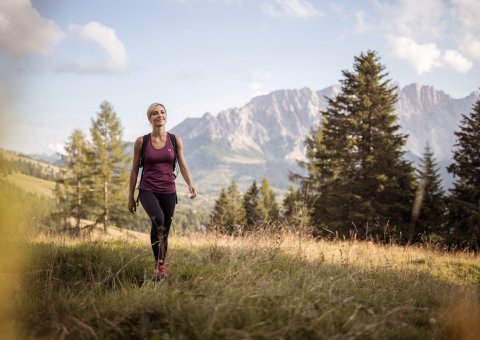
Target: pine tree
[[109, 166], [465, 195], [77, 178], [62, 201], [251, 204], [228, 213], [268, 204], [236, 214], [327, 156], [357, 174], [219, 215], [429, 205], [292, 206]]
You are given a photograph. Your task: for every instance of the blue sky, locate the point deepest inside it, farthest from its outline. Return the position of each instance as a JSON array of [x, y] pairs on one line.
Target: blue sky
[[60, 59]]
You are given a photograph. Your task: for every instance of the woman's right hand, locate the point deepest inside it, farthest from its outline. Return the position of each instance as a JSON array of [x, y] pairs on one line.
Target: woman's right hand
[[132, 207]]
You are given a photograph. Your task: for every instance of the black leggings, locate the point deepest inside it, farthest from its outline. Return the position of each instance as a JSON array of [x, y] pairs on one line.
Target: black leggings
[[160, 208]]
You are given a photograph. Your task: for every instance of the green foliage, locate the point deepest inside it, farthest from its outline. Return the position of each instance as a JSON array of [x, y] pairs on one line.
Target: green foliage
[[219, 215], [228, 213], [429, 200], [292, 206], [465, 196], [74, 190], [356, 171], [268, 203], [94, 181], [251, 204], [233, 214], [109, 167]]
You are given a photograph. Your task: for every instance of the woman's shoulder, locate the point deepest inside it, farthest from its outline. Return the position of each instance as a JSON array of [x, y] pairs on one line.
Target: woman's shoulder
[[139, 141], [140, 138]]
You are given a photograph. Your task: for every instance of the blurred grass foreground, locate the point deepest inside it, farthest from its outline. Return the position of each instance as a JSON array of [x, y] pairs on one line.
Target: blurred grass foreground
[[18, 212], [260, 286]]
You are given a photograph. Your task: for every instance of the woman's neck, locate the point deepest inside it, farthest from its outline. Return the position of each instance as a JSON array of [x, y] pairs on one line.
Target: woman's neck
[[159, 131]]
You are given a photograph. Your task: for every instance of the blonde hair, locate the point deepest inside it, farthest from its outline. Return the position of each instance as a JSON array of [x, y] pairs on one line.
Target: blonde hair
[[151, 107]]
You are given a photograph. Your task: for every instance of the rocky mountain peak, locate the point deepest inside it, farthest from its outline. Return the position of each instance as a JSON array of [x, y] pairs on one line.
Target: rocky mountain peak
[[266, 136]]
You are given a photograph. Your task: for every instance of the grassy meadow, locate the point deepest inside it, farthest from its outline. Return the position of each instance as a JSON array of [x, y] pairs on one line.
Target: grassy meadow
[[260, 286], [265, 285], [32, 184]]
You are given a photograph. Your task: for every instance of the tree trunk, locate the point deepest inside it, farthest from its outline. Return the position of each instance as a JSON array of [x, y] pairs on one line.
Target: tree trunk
[[79, 203], [105, 206], [417, 205]]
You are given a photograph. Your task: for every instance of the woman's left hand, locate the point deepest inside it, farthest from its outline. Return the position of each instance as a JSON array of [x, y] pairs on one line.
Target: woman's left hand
[[193, 191]]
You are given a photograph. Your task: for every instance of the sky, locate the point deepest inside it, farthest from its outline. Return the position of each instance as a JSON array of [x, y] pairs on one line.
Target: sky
[[60, 59]]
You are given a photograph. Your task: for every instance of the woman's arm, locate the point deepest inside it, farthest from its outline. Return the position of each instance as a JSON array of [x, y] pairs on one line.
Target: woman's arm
[[184, 168], [132, 207]]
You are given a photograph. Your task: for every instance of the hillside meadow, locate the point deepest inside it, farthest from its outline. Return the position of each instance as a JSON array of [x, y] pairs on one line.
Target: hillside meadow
[[268, 284], [263, 285]]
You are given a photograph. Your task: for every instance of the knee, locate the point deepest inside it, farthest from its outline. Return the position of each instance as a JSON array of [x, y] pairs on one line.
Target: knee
[[158, 222]]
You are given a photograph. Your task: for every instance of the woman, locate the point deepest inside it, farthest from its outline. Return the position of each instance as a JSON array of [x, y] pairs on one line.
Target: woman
[[157, 191]]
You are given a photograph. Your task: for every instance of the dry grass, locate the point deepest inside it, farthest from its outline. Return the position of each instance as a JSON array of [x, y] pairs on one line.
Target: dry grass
[[259, 286]]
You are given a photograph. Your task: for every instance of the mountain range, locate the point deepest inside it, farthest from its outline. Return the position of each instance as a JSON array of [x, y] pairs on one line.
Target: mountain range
[[265, 137]]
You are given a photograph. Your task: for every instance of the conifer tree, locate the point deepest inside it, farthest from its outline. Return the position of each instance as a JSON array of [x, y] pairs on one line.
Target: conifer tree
[[268, 204], [429, 205], [357, 174], [228, 213], [219, 215], [465, 195], [77, 178], [236, 214], [251, 205], [109, 166], [62, 200], [292, 205]]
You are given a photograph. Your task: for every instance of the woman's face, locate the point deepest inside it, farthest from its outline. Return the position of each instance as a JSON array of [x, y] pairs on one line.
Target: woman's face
[[158, 117]]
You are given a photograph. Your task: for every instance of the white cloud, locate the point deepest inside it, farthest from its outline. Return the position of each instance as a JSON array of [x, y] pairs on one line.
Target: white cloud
[[290, 8], [426, 57], [423, 58], [471, 47], [362, 25], [115, 55], [414, 19], [455, 60], [447, 29], [24, 31], [466, 14], [55, 148]]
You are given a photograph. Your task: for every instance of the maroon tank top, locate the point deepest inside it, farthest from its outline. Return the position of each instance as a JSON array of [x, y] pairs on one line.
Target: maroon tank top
[[158, 172]]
